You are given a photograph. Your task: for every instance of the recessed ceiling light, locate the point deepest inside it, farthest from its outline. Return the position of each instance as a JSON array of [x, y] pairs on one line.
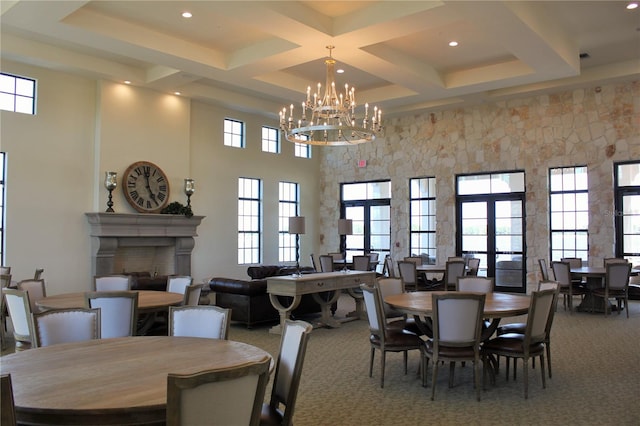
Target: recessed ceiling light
[[340, 71], [186, 14], [632, 5], [127, 82], [453, 43], [177, 93]]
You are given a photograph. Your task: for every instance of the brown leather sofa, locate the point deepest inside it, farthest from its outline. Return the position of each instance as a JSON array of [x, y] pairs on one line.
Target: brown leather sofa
[[248, 299]]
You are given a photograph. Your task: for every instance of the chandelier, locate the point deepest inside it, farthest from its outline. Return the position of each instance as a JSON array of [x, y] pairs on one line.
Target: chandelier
[[332, 118]]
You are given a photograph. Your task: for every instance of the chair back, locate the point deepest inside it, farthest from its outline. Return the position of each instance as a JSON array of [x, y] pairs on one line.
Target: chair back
[[192, 295], [7, 403], [456, 259], [454, 269], [65, 326], [609, 260], [36, 290], [415, 259], [178, 283], [617, 276], [326, 263], [231, 396], [550, 285], [5, 280], [5, 270], [373, 257], [457, 319], [474, 283], [408, 273], [112, 283], [375, 312], [313, 262], [361, 263], [293, 348], [388, 287], [19, 309], [574, 262], [540, 308], [562, 273], [389, 270], [473, 263], [38, 273], [544, 272], [208, 321], [337, 257], [119, 312]]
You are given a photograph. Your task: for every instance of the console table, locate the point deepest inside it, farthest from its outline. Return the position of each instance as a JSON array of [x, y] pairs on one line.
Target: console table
[[314, 284]]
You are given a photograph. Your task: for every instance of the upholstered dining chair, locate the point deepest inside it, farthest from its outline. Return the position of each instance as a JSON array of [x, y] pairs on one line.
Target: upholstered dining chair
[[178, 283], [192, 294], [286, 381], [382, 336], [19, 309], [208, 321], [574, 262], [457, 332], [474, 283], [119, 312], [361, 263], [453, 270], [544, 271], [520, 327], [218, 397], [409, 274], [529, 345], [36, 290], [616, 285], [65, 326], [389, 270], [568, 287], [395, 318], [473, 265], [326, 263], [5, 270], [112, 283], [7, 403], [608, 260], [38, 273], [5, 281], [313, 262]]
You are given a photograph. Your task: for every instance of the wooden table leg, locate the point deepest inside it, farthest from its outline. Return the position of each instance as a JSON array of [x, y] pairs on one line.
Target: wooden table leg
[[284, 311]]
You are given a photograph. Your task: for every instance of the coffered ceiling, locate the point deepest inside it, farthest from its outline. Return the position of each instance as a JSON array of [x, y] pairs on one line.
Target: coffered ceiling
[[261, 55]]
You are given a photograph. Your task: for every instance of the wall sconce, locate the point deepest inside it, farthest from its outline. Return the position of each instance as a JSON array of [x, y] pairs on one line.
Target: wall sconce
[[110, 182], [296, 226], [189, 189]]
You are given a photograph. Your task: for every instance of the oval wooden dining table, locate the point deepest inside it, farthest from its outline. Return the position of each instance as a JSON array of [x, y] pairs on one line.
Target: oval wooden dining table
[[148, 300], [496, 306], [112, 381]]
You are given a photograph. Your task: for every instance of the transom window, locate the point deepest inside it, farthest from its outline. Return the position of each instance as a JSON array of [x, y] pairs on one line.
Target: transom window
[[233, 133], [569, 210], [627, 210], [270, 140], [249, 220], [288, 206], [422, 193], [17, 94]]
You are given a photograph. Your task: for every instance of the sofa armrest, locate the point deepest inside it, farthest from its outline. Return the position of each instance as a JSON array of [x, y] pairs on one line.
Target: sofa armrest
[[245, 287]]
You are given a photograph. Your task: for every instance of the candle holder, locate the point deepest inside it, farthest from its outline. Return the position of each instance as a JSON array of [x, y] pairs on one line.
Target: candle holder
[[110, 182], [189, 189]]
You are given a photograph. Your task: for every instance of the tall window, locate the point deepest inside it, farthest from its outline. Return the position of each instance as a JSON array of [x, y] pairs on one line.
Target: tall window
[[302, 150], [2, 180], [17, 94], [270, 140], [627, 210], [422, 192], [569, 207], [233, 133], [249, 221], [289, 205]]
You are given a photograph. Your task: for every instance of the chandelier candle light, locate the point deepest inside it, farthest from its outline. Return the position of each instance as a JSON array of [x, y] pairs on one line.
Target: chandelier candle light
[[333, 120]]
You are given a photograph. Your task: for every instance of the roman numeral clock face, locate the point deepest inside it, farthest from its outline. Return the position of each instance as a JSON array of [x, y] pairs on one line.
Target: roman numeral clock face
[[146, 187]]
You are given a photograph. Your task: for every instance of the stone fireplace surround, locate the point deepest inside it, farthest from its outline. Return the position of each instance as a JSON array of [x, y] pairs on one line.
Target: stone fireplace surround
[[113, 231]]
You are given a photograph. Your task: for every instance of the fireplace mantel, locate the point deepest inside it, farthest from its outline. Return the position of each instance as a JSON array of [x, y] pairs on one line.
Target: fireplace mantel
[[109, 231]]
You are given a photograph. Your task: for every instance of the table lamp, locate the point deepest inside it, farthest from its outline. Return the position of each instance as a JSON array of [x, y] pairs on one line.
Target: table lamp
[[345, 227], [296, 226]]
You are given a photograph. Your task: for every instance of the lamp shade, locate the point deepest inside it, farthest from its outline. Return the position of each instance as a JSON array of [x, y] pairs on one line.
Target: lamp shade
[[296, 225], [345, 226]]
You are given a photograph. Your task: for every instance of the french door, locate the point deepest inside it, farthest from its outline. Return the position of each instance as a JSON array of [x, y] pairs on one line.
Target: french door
[[371, 228], [492, 227]]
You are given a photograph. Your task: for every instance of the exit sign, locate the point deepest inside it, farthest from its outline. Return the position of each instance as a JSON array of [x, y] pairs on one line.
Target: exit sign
[[362, 163]]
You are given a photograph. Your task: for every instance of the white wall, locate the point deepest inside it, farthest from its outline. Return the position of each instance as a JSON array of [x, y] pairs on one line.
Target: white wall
[[57, 160]]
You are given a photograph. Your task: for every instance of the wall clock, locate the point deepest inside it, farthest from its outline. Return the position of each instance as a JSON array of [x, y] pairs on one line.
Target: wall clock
[[146, 187]]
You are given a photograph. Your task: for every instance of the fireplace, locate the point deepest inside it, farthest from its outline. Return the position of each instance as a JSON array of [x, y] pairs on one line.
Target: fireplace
[[157, 243]]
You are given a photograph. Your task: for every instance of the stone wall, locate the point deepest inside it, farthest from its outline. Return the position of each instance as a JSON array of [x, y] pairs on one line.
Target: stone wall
[[593, 126]]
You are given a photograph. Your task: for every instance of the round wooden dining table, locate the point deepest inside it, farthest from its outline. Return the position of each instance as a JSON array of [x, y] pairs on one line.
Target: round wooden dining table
[[112, 381], [496, 306], [148, 300]]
